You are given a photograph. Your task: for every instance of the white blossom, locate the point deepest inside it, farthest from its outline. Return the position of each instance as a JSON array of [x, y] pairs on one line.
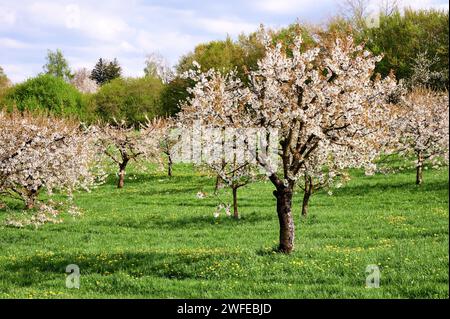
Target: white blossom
[[420, 127], [46, 154], [123, 144], [323, 102], [83, 82]]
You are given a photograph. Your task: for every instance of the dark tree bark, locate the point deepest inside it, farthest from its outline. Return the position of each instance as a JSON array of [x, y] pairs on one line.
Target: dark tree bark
[[170, 164], [307, 195], [218, 184], [235, 204], [419, 169], [30, 200], [122, 168], [219, 180], [283, 195]]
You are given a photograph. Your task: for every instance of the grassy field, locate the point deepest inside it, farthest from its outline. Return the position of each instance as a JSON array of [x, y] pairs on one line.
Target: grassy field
[[156, 239]]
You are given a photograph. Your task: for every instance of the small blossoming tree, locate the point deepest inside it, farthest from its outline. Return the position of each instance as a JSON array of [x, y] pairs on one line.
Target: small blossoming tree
[[123, 144], [168, 138], [322, 170], [235, 175], [40, 153], [83, 82], [213, 113], [421, 128]]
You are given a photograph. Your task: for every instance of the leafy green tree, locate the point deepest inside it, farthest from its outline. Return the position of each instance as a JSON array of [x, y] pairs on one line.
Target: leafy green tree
[[174, 92], [224, 56], [242, 54], [57, 65], [106, 71], [252, 48], [130, 99], [287, 36], [221, 55], [46, 94], [4, 82], [403, 37]]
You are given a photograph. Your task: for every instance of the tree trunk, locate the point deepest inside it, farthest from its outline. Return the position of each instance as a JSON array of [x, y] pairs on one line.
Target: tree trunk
[[218, 183], [121, 178], [419, 169], [122, 168], [235, 205], [30, 200], [284, 210], [219, 179], [170, 164], [305, 203], [307, 195]]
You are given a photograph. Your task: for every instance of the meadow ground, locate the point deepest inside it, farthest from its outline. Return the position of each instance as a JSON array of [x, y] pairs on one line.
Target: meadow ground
[[156, 239]]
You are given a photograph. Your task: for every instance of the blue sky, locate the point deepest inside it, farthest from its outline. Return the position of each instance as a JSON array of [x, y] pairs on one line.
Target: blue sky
[[86, 30]]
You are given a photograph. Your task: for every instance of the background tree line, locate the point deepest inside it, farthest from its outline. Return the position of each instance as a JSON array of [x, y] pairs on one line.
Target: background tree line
[[414, 44]]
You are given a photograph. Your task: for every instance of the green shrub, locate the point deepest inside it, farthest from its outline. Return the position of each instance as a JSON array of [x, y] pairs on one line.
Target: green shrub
[[130, 99], [46, 94], [173, 94]]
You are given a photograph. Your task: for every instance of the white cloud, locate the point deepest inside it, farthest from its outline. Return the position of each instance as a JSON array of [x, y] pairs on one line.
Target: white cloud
[[423, 4], [8, 43], [169, 43], [226, 26], [21, 71], [128, 30], [127, 47], [7, 17], [100, 25], [46, 13], [288, 7], [284, 6]]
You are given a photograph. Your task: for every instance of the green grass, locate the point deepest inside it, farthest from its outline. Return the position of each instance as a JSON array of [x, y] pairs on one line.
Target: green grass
[[156, 239]]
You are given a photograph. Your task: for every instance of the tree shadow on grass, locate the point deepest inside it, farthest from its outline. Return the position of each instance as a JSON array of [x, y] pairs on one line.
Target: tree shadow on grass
[[380, 187], [137, 178], [206, 221], [211, 205], [182, 264], [186, 222], [12, 206], [268, 251], [171, 191]]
